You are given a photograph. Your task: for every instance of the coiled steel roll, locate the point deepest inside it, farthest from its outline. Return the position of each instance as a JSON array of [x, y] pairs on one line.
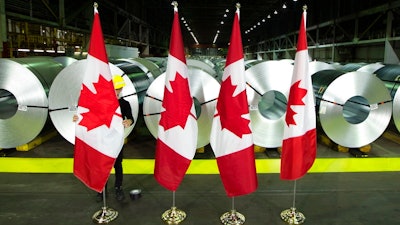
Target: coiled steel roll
[[204, 89], [202, 65], [350, 67], [315, 66], [24, 87], [64, 95], [371, 68], [65, 60], [390, 74], [354, 108], [141, 72], [267, 92]]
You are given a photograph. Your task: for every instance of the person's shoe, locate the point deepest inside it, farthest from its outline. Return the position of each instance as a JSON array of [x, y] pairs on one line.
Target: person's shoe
[[119, 194], [99, 197]]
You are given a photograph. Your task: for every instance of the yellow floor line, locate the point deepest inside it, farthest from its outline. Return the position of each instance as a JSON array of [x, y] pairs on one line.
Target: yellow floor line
[[202, 166]]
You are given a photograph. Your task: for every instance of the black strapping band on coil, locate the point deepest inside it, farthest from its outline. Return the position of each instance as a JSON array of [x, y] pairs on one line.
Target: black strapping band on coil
[[34, 106], [335, 103], [152, 114], [153, 98], [208, 101], [129, 95], [59, 109], [254, 89]]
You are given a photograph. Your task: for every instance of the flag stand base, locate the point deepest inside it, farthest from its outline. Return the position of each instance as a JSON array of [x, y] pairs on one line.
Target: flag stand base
[[292, 216], [232, 218], [173, 216], [105, 215]]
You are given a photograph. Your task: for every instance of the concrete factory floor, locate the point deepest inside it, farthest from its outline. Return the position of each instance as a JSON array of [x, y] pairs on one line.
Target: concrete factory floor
[[325, 198]]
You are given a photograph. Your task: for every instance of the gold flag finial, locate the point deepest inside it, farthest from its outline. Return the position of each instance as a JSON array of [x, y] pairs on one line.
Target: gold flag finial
[[175, 4], [238, 5], [95, 5], [304, 7]]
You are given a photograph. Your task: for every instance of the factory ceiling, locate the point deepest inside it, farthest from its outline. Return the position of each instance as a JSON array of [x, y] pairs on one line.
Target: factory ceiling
[[259, 19]]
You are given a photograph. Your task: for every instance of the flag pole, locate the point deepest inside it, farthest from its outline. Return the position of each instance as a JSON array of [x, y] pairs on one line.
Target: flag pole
[[291, 215], [170, 168], [300, 73], [173, 215], [232, 217], [105, 214]]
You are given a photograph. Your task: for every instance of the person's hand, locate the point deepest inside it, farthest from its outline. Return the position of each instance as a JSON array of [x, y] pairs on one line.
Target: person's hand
[[75, 118], [127, 123]]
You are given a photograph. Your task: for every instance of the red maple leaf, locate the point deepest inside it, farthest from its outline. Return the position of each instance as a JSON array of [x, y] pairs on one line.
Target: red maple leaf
[[177, 104], [295, 98], [230, 109], [101, 105]]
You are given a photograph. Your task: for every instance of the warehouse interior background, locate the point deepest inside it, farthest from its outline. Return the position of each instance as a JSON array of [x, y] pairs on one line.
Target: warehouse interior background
[[338, 31], [354, 52]]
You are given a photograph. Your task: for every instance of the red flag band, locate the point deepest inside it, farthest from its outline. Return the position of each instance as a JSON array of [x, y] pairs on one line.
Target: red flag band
[[299, 141], [99, 133], [231, 137]]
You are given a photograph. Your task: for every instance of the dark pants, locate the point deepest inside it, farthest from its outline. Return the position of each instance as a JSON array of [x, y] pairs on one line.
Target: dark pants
[[118, 170]]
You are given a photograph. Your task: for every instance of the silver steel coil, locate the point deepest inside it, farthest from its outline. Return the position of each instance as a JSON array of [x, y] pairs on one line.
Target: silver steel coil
[[315, 66], [65, 60], [390, 75], [24, 87], [267, 92], [202, 66], [353, 108], [141, 72], [64, 95], [371, 68], [204, 89], [350, 67]]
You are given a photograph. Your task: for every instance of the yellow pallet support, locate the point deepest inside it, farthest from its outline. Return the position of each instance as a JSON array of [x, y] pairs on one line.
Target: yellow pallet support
[[392, 136], [200, 150], [258, 149], [37, 141], [323, 139]]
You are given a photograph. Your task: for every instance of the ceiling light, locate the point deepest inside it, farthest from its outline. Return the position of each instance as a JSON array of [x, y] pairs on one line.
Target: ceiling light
[[284, 6], [275, 12], [227, 10], [263, 20], [269, 16], [182, 18], [222, 22], [225, 15]]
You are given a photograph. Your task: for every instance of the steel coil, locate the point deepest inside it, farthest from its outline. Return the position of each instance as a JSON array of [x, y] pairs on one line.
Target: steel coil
[[371, 68], [354, 108], [65, 60], [24, 87], [206, 67], [267, 92], [315, 66], [390, 75], [141, 72], [64, 95], [204, 89], [350, 67]]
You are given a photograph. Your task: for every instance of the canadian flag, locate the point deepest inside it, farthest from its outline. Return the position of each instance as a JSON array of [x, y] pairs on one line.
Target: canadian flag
[[299, 139], [177, 130], [231, 138], [99, 133]]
